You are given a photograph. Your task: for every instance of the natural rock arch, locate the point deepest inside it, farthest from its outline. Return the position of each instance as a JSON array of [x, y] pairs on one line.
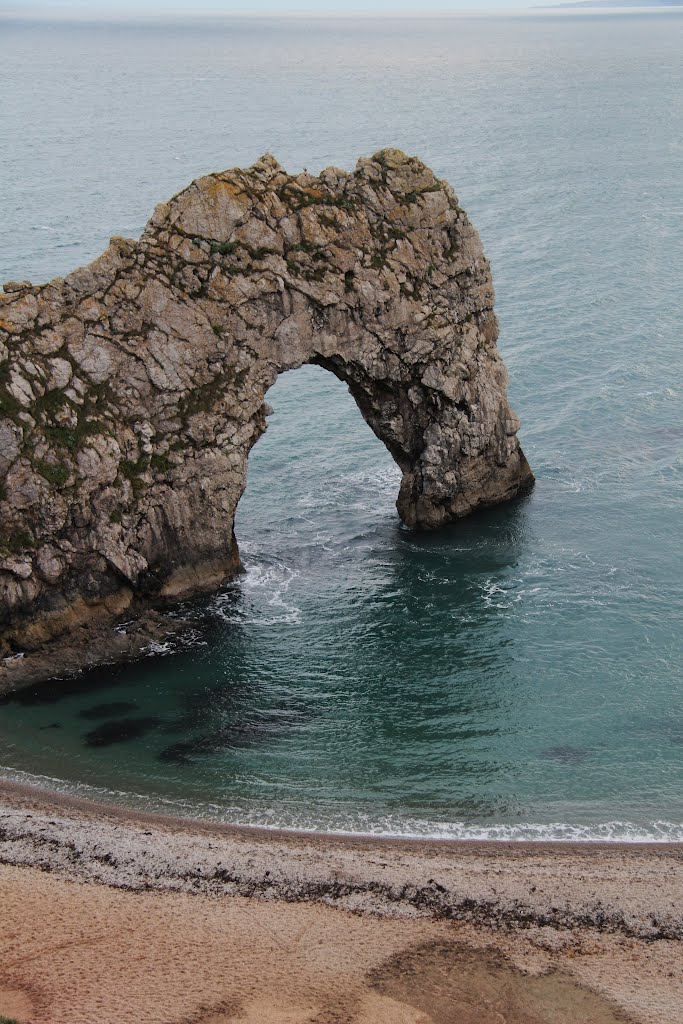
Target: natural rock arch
[[132, 391]]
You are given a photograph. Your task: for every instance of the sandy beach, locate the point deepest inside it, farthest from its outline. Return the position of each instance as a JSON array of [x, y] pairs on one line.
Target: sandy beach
[[109, 916]]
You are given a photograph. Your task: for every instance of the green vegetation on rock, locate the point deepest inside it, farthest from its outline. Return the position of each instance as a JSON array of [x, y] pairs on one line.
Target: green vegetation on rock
[[56, 474]]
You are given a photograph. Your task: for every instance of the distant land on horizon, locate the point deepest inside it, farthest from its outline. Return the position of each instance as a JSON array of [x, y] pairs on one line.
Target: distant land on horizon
[[615, 3]]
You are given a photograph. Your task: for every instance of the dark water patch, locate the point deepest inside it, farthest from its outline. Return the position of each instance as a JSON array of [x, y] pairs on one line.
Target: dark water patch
[[567, 755], [105, 677], [262, 731], [175, 727], [120, 730], [116, 707], [669, 432], [233, 710], [52, 725], [54, 690]]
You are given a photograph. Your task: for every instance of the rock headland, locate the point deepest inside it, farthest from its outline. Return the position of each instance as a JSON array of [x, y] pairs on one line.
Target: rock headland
[[132, 391]]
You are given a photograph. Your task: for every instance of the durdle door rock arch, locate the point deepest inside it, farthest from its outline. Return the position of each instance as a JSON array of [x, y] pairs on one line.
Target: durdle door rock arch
[[132, 391]]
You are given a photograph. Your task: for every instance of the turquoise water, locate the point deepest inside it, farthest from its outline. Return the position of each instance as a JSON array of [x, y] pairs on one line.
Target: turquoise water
[[518, 674]]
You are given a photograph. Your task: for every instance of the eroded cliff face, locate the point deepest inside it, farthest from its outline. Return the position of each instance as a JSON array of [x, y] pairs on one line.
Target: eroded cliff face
[[132, 391]]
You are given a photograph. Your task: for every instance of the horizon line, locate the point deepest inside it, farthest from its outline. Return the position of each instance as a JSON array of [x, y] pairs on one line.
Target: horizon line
[[70, 14]]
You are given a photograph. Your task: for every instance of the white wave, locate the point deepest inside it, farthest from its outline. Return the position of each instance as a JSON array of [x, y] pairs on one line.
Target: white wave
[[497, 595], [333, 822], [157, 648], [264, 588], [177, 642], [369, 491]]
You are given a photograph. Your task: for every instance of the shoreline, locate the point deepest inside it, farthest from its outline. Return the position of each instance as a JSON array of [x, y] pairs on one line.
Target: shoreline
[[39, 795], [412, 930], [613, 887]]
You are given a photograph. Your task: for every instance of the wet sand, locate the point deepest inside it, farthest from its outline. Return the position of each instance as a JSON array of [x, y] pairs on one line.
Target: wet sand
[[108, 916]]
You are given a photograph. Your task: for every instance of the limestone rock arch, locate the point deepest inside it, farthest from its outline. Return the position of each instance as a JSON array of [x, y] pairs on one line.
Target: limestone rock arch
[[132, 391]]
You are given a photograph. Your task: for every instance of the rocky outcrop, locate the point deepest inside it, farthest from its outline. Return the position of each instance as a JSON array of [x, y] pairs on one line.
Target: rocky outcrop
[[132, 391]]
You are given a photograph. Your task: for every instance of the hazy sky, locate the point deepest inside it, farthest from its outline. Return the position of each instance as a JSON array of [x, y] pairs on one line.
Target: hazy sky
[[99, 7]]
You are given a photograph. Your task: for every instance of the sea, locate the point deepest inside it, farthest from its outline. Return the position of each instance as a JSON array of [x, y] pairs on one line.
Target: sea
[[517, 675]]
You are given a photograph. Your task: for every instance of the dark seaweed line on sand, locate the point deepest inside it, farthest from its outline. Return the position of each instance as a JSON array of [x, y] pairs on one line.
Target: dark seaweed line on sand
[[49, 854]]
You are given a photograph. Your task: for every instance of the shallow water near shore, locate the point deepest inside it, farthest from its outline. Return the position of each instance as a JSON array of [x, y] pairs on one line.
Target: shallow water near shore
[[517, 675]]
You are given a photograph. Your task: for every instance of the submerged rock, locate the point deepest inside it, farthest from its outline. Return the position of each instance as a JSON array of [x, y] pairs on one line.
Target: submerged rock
[[132, 391], [120, 730]]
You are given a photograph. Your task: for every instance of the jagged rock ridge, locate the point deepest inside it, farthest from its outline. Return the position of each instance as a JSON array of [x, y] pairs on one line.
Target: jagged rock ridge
[[132, 391]]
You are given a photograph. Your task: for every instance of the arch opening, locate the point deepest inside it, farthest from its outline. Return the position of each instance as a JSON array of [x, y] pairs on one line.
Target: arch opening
[[318, 471]]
